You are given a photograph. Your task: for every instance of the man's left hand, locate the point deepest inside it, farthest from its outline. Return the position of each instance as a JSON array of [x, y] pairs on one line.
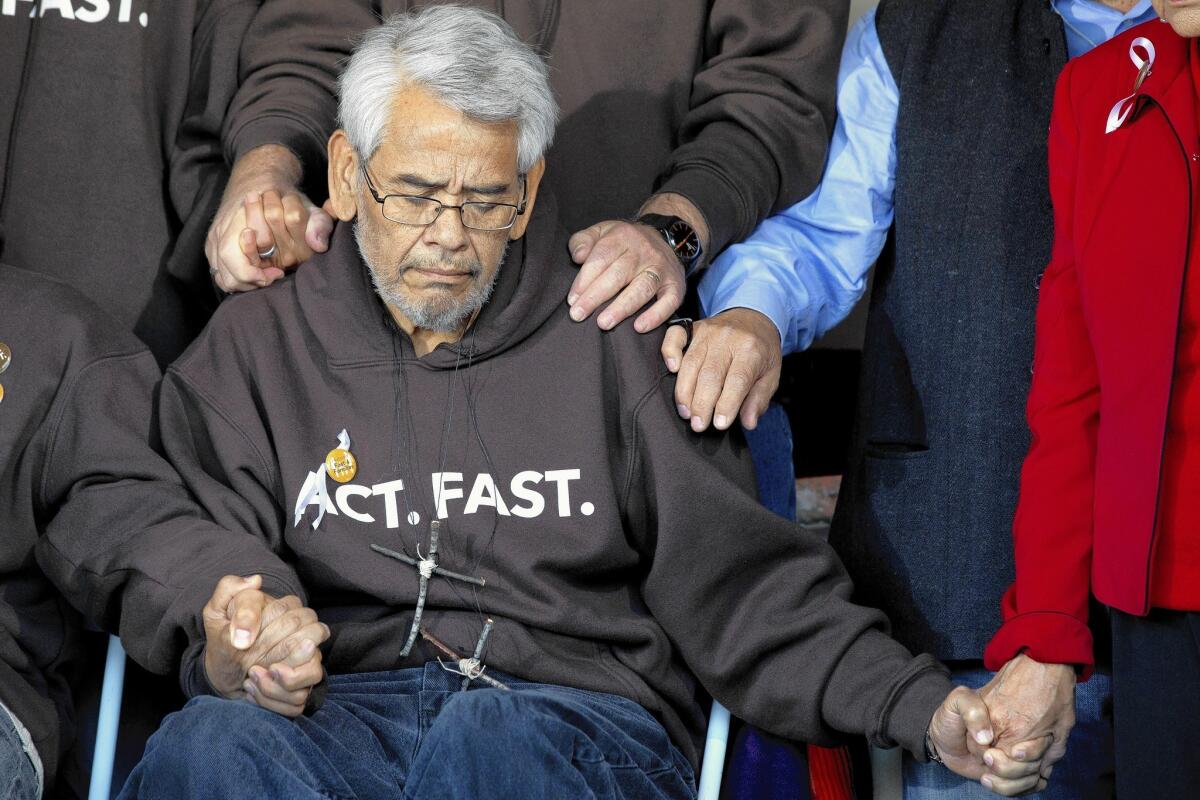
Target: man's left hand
[[632, 260]]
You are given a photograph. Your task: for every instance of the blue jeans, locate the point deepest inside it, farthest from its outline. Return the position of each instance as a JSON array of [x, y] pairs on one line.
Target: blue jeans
[[771, 451], [1086, 772], [413, 733], [18, 776]]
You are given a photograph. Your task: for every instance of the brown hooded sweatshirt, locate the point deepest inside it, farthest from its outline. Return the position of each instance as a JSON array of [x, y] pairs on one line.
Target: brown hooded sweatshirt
[[74, 429], [621, 552], [110, 152]]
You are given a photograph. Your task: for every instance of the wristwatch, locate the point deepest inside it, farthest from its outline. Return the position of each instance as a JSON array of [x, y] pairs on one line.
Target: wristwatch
[[931, 751], [679, 236]]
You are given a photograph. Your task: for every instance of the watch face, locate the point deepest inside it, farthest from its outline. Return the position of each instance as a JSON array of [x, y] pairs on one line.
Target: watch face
[[684, 240]]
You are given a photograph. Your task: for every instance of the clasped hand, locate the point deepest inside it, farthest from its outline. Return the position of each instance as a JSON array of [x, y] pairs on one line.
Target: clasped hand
[[1011, 733], [261, 648]]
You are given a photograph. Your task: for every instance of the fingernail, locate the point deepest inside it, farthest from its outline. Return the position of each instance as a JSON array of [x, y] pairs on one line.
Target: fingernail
[[697, 424], [605, 321], [987, 759], [672, 364], [577, 314], [248, 687], [241, 639], [255, 675], [571, 298], [750, 424], [275, 675], [683, 410], [1019, 755], [639, 326], [307, 646], [987, 782], [577, 253], [721, 421], [983, 737]]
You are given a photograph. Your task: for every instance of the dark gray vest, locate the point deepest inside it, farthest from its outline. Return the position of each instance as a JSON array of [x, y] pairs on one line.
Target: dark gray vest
[[925, 516]]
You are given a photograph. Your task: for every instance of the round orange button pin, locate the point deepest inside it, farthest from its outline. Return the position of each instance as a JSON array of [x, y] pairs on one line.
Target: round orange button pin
[[341, 465]]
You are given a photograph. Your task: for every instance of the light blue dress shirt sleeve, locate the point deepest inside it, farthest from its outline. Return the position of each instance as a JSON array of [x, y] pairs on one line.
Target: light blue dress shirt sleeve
[[806, 267]]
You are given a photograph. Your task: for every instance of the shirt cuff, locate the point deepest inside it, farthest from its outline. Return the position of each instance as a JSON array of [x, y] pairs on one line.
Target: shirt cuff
[[1051, 637], [765, 297]]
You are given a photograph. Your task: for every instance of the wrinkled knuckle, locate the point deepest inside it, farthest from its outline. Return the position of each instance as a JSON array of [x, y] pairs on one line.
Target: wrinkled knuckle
[[709, 377], [737, 382]]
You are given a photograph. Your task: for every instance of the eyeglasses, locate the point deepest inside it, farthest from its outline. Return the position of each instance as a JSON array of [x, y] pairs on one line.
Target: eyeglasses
[[408, 209]]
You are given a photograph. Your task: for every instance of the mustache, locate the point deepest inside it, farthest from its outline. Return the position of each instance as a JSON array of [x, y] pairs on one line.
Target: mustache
[[467, 265]]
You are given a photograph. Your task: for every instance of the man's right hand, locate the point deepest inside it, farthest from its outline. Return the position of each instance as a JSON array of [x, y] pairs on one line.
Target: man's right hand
[[261, 209], [262, 648]]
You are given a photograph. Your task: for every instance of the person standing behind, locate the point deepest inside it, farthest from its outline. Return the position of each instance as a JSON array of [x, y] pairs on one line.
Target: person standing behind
[[937, 169], [110, 152]]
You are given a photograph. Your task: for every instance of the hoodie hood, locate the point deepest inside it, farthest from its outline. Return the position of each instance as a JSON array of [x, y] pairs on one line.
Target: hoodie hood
[[530, 286]]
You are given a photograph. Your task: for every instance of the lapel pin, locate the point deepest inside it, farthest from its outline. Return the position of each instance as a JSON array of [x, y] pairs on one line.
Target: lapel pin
[[340, 462]]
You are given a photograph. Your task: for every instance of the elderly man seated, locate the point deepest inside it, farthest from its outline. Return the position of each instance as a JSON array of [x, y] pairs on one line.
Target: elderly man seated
[[520, 568]]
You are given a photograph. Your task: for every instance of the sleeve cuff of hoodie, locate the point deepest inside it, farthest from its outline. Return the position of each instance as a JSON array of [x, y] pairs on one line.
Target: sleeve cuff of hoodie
[[912, 704], [193, 679], [716, 199], [307, 144], [1051, 637]]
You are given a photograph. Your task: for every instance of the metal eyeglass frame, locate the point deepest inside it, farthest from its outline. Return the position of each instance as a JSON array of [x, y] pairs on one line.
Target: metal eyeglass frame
[[519, 208]]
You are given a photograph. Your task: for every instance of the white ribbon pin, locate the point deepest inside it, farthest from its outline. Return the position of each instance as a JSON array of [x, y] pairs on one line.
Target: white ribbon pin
[[1124, 107], [314, 490]]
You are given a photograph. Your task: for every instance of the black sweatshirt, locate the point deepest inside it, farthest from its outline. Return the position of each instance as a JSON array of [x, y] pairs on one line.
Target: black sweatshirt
[[621, 552], [726, 102], [74, 425], [110, 152]]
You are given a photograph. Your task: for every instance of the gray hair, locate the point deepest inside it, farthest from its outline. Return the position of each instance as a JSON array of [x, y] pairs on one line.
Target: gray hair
[[469, 59]]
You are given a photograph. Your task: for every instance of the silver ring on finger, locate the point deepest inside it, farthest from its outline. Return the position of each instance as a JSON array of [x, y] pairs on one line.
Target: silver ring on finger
[[265, 254]]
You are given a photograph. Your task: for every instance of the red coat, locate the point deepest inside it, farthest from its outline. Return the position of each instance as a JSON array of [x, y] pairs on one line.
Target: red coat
[[1107, 326]]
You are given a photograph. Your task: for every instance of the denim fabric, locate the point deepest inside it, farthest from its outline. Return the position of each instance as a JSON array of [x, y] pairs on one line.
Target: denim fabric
[[413, 733], [18, 776], [1085, 773], [771, 450], [1156, 702]]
